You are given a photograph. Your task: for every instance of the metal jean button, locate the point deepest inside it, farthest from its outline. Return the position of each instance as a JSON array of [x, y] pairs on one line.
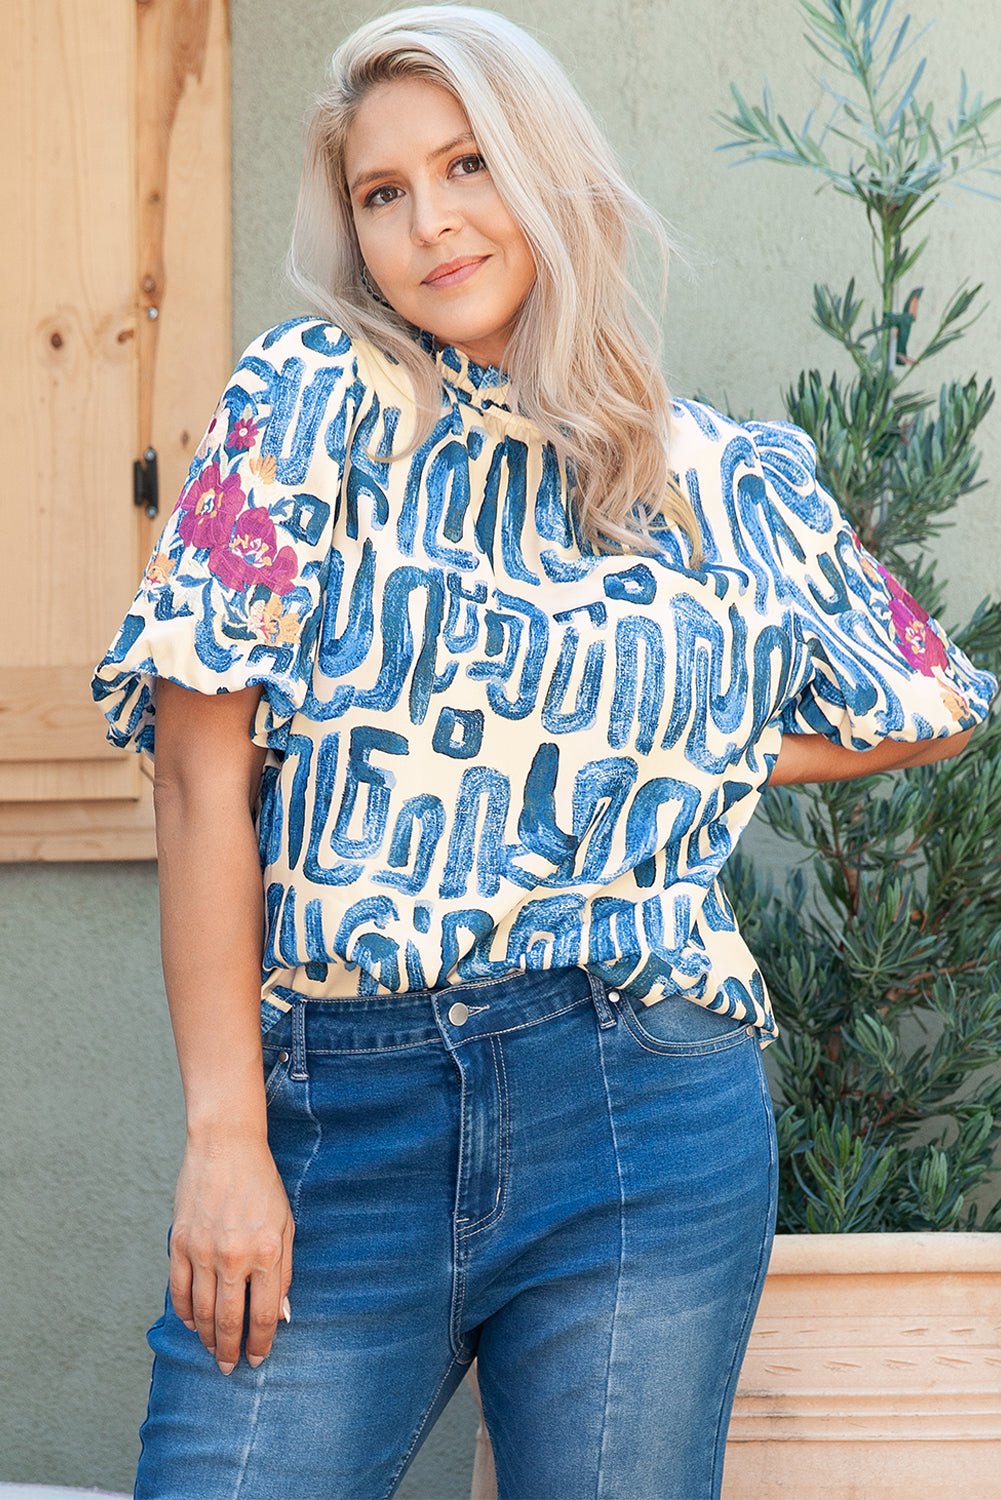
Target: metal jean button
[[458, 1013]]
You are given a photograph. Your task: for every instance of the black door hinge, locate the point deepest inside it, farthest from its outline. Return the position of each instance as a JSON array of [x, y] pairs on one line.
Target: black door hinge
[[146, 483]]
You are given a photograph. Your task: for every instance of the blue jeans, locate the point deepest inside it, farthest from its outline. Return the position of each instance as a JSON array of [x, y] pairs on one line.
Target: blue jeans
[[530, 1171]]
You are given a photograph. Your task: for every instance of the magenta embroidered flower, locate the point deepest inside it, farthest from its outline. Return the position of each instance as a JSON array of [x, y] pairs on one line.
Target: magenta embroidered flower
[[243, 434], [250, 555], [916, 640], [899, 592], [210, 505]]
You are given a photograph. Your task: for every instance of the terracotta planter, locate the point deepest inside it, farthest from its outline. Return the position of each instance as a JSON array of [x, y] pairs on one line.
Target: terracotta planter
[[873, 1373]]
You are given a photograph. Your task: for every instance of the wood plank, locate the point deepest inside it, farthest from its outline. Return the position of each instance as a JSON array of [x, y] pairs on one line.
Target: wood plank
[[48, 714], [79, 830], [184, 231], [847, 1255], [919, 1327], [862, 1467], [67, 258], [70, 780], [864, 1297], [863, 1369]]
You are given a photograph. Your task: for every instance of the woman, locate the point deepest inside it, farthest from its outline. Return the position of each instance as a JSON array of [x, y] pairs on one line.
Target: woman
[[483, 653]]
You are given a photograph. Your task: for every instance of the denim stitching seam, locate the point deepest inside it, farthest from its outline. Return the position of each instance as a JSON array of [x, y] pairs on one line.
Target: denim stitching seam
[[523, 1025], [500, 1198], [458, 1257], [251, 1436], [685, 1049], [294, 1198], [275, 1079], [300, 1071], [458, 1297], [622, 1253], [750, 1308], [417, 1434], [362, 1051], [688, 1049], [602, 1006]]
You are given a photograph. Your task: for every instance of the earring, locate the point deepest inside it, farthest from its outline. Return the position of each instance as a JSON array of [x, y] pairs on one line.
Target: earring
[[371, 287]]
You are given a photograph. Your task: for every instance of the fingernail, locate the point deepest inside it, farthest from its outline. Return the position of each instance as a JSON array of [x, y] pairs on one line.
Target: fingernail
[[211, 1351], [253, 1360], [226, 1368], [286, 1310], [188, 1324]]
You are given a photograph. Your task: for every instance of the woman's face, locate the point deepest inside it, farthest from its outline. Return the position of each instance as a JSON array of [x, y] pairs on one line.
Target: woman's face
[[438, 242]]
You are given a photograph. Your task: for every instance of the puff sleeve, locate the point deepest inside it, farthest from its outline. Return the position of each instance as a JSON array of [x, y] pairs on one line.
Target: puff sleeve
[[233, 593], [880, 666]]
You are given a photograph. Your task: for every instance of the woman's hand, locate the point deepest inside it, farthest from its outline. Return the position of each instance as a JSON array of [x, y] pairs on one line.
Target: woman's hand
[[232, 1235], [810, 758]]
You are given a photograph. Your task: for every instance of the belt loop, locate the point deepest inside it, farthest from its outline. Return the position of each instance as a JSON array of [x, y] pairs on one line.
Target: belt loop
[[605, 1013], [299, 1070]]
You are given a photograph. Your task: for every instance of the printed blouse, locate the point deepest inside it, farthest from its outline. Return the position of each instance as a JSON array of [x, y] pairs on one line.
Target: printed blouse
[[491, 749]]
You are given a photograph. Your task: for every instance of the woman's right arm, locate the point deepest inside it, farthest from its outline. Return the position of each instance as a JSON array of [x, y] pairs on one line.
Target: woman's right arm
[[232, 1224]]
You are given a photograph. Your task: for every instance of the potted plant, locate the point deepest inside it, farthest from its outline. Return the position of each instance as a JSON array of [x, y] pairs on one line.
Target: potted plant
[[875, 1362]]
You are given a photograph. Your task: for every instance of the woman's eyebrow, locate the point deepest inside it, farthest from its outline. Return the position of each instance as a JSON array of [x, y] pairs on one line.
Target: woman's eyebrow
[[364, 178]]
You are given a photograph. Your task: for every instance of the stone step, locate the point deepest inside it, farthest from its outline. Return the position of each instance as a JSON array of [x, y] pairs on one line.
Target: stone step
[[49, 1492]]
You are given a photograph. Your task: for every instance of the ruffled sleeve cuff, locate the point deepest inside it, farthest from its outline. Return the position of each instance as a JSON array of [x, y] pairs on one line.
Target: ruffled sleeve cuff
[[882, 668], [232, 596]]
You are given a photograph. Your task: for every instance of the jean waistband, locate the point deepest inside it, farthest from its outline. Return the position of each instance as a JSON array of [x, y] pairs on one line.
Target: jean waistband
[[455, 1015]]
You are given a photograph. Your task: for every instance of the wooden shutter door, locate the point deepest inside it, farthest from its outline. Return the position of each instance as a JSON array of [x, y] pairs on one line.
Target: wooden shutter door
[[114, 336]]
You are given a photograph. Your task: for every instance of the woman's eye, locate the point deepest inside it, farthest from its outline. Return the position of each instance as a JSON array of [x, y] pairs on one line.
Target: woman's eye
[[380, 196], [467, 166]]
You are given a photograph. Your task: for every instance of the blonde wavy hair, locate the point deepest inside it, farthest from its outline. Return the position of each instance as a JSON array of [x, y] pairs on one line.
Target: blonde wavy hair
[[580, 369]]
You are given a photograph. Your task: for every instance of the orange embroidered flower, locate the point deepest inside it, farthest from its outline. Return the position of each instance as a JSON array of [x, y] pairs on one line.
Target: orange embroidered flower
[[265, 467], [959, 708], [274, 626], [158, 569]]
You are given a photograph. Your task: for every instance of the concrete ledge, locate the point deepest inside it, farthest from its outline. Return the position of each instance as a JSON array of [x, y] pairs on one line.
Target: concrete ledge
[[48, 1492]]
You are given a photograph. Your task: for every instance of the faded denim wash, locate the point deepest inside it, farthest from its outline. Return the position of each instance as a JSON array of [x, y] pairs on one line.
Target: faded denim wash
[[530, 1171]]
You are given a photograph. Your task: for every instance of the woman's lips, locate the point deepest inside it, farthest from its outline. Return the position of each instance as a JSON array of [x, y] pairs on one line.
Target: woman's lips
[[454, 272]]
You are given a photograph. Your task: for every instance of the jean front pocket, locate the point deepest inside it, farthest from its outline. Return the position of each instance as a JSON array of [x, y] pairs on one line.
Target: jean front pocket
[[277, 1049], [676, 1027]]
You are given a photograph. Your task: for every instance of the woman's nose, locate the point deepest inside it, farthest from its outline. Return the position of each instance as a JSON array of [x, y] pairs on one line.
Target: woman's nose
[[434, 215]]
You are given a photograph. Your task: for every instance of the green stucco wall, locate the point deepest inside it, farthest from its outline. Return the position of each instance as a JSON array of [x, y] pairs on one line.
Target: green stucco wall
[[91, 1127]]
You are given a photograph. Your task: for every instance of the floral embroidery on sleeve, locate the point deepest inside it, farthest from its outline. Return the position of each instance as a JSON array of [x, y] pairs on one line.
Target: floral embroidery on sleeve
[[916, 636], [243, 434], [881, 666], [235, 538], [233, 594], [158, 570], [251, 555], [210, 504]]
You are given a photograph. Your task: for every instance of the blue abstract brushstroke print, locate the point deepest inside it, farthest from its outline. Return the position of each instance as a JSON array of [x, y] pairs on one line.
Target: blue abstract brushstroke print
[[489, 748]]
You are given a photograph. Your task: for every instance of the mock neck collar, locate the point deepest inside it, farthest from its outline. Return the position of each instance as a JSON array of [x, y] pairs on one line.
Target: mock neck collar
[[485, 384]]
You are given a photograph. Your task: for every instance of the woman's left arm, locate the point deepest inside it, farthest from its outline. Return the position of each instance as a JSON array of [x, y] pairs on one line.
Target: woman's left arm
[[811, 757]]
